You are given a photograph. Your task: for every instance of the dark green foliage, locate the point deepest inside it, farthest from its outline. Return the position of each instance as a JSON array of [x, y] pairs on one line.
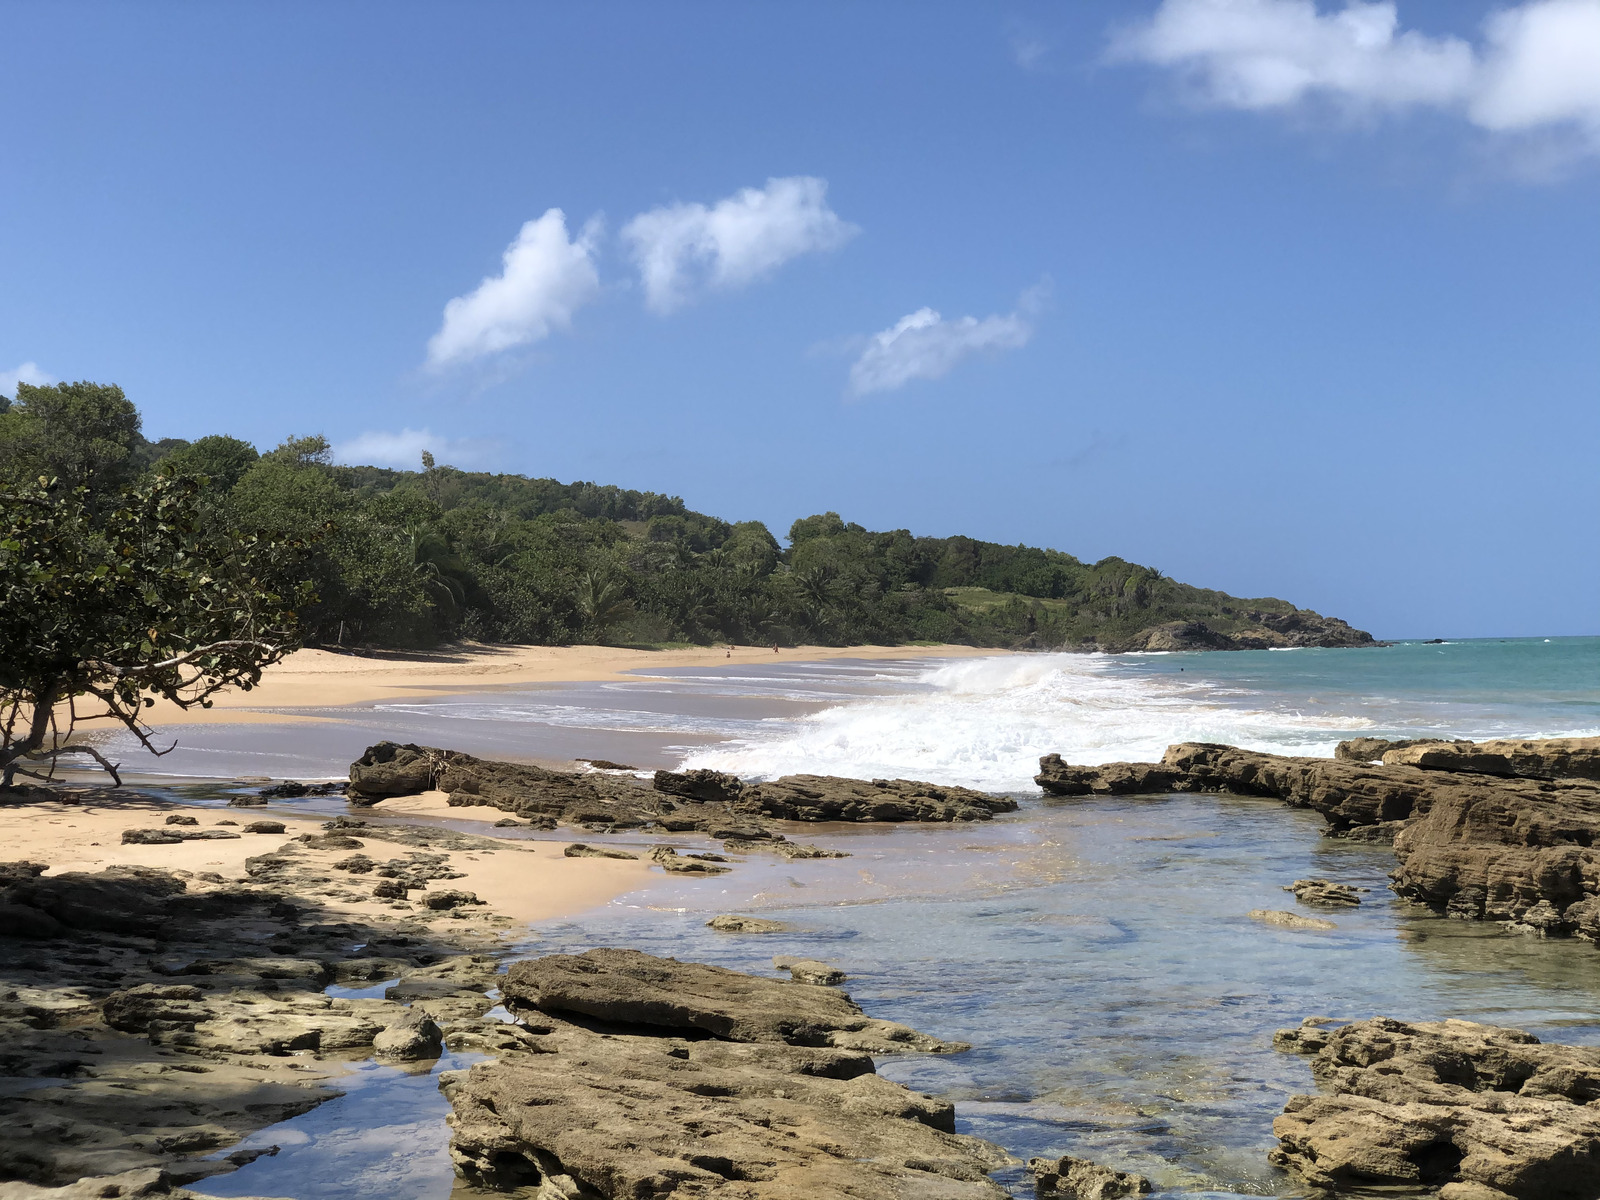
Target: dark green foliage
[[407, 558], [222, 460], [83, 434], [143, 594]]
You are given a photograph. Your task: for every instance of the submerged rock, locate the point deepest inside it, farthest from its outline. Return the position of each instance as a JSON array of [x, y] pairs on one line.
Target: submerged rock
[[733, 923], [1477, 1109], [652, 1077], [1079, 1179], [582, 850], [809, 970], [1288, 920]]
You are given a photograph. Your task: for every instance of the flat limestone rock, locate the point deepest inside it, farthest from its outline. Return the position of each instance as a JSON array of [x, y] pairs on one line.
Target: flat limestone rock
[[681, 864], [1551, 758], [1478, 1110], [1325, 893], [645, 1104], [1371, 750], [831, 798], [734, 923], [808, 970], [626, 988], [583, 850], [1288, 920], [1079, 1179]]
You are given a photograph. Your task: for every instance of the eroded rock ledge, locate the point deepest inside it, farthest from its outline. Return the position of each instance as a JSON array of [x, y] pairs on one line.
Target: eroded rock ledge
[[651, 1077], [1508, 846], [711, 802], [1484, 1113]]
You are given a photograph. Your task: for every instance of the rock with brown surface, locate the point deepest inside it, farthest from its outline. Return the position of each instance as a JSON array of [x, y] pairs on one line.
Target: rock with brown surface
[[831, 798], [629, 988], [669, 860], [1068, 1178], [1371, 750], [809, 970], [1496, 850], [1476, 1109], [625, 1095], [734, 923], [1325, 893], [1550, 758], [712, 787], [1110, 779], [583, 850], [1289, 920]]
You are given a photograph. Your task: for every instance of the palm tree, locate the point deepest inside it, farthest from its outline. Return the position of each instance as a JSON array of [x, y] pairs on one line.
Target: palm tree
[[602, 600]]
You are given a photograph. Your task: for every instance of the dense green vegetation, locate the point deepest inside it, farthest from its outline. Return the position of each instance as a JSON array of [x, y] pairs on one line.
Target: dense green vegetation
[[413, 558]]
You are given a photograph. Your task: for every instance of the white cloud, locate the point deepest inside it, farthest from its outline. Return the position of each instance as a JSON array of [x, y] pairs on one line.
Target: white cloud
[[1542, 67], [28, 372], [378, 448], [1539, 66], [923, 345], [546, 278], [682, 248]]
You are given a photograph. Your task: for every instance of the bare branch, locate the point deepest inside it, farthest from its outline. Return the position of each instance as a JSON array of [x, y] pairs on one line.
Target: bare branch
[[52, 755], [188, 656], [6, 498]]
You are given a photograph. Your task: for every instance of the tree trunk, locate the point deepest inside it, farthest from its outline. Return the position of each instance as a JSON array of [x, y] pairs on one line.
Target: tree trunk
[[38, 728]]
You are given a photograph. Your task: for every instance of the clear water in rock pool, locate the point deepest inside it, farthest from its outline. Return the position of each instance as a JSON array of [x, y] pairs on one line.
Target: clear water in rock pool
[[1098, 956], [384, 1139], [1096, 953]]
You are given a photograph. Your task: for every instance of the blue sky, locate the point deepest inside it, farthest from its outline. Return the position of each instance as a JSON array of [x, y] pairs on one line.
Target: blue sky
[[1282, 298]]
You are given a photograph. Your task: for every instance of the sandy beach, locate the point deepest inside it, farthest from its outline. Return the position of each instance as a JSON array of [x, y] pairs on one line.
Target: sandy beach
[[524, 880], [319, 678]]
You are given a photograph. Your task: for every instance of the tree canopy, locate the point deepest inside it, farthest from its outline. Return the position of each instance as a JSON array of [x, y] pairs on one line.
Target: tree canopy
[[106, 607], [413, 558]]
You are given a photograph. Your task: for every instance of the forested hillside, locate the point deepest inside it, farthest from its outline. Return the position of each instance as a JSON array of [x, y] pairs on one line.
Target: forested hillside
[[414, 558]]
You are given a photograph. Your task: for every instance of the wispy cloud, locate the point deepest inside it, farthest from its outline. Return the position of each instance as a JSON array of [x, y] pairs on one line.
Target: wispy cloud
[[545, 278], [1537, 67], [683, 249], [29, 373], [379, 448], [923, 345]]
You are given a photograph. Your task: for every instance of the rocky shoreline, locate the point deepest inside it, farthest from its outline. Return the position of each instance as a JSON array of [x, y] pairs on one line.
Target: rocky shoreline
[[154, 1017]]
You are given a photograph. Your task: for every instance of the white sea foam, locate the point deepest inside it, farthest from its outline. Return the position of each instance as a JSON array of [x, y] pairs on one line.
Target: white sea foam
[[984, 722]]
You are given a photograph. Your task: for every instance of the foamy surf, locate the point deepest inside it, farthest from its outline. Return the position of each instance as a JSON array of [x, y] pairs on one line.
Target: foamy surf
[[985, 722]]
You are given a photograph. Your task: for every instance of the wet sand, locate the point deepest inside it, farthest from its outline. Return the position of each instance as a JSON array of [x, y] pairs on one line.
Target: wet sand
[[322, 678]]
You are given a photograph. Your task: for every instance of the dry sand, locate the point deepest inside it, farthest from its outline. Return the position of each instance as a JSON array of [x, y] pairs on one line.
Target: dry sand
[[526, 880], [319, 678]]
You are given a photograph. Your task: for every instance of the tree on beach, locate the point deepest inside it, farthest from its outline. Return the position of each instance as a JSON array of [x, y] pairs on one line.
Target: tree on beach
[[104, 609]]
